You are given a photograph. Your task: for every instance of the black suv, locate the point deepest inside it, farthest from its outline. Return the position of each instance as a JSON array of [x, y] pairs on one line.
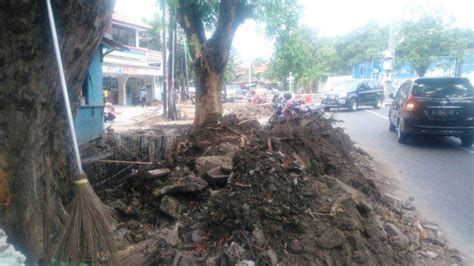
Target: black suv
[[434, 106], [354, 93]]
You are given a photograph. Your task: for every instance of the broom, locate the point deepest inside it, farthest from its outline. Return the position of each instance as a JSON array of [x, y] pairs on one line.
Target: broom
[[88, 236]]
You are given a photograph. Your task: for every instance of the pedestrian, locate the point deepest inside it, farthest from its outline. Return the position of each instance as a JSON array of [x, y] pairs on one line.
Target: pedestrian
[[143, 97], [109, 112]]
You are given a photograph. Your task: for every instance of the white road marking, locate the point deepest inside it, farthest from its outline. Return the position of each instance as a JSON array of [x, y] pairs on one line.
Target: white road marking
[[377, 114], [452, 142], [468, 150]]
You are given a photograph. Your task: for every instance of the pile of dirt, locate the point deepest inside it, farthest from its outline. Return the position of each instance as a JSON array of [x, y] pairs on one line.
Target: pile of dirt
[[234, 193], [223, 136], [248, 110]]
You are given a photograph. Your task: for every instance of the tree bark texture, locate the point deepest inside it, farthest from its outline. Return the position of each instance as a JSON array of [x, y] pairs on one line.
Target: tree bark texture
[[210, 55], [36, 164]]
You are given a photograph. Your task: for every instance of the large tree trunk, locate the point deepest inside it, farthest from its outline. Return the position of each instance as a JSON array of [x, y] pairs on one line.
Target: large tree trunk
[[210, 55], [35, 147], [421, 72], [209, 84]]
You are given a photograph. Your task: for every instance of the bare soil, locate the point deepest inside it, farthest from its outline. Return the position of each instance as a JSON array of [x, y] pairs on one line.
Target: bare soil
[[299, 193]]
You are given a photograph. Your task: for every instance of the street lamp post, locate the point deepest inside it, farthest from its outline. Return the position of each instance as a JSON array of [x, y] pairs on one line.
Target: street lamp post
[[290, 81]]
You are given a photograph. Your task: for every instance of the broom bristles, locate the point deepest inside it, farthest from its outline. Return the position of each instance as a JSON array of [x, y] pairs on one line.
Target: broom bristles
[[88, 236]]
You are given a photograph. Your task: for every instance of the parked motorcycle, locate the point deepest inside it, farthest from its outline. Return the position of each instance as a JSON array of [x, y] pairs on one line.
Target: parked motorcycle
[[288, 108]]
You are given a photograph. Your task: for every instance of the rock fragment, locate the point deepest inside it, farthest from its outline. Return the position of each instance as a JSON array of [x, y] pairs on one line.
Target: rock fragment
[[206, 163], [187, 184], [331, 239], [171, 206]]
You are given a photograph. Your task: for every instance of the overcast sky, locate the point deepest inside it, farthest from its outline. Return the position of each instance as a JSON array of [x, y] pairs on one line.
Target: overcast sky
[[329, 17]]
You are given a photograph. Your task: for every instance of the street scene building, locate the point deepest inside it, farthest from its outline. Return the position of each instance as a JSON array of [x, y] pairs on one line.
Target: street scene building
[[118, 71], [127, 71], [236, 133]]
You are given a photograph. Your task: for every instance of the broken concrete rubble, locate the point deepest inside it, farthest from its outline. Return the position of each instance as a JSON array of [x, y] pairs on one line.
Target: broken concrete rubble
[[187, 184], [171, 206], [245, 263], [395, 232], [234, 251], [198, 235], [408, 205], [172, 236], [271, 255], [216, 176], [159, 172], [302, 202], [206, 163], [259, 237]]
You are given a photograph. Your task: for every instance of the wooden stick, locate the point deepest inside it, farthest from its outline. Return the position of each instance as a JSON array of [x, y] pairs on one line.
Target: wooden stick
[[126, 162], [269, 145]]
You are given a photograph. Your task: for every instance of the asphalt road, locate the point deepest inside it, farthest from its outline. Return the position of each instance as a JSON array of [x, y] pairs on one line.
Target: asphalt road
[[438, 172]]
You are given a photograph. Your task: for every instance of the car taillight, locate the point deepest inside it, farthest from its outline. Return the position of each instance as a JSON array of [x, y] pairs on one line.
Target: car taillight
[[410, 104]]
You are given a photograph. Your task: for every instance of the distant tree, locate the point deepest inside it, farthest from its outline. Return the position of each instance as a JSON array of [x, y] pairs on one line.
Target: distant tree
[[305, 55], [152, 38], [365, 44], [462, 38], [281, 17], [429, 39]]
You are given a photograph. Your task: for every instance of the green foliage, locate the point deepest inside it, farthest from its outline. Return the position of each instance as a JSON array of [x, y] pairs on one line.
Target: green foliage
[[365, 44], [428, 39], [462, 38], [152, 38], [422, 42], [281, 17], [308, 57], [208, 10]]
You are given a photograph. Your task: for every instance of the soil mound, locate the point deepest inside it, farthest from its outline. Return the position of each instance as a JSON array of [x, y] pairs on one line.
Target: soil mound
[[236, 193]]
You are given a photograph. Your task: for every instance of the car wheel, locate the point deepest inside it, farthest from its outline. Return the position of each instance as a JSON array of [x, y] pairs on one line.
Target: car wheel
[[327, 109], [391, 127], [353, 105], [466, 141], [378, 103], [401, 136]]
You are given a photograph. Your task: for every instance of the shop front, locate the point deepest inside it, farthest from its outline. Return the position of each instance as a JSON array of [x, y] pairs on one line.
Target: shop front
[[122, 84]]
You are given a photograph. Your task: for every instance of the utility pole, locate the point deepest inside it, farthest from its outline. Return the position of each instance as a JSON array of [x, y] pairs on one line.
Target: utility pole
[[171, 83], [186, 65], [163, 54]]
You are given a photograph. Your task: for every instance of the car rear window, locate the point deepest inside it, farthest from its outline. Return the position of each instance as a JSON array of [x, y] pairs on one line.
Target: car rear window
[[451, 89]]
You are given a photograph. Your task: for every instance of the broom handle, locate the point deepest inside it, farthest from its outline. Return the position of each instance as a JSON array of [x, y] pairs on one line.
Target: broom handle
[[64, 88]]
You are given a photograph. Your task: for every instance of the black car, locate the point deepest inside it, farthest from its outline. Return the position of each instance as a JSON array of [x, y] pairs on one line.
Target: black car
[[354, 93], [434, 106]]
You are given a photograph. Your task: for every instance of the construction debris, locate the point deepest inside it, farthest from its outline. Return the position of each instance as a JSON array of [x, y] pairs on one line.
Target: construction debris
[[235, 193], [187, 184]]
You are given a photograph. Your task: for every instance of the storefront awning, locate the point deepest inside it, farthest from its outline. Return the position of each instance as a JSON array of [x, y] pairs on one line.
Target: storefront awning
[[130, 70]]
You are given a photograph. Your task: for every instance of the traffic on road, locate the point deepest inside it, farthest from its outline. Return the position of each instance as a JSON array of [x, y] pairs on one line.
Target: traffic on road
[[437, 171]]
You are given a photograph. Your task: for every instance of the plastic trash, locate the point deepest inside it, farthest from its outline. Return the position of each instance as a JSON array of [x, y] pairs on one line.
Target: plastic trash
[[8, 255]]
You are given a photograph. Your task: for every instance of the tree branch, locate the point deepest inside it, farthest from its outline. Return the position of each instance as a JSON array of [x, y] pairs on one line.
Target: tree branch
[[232, 13], [190, 19]]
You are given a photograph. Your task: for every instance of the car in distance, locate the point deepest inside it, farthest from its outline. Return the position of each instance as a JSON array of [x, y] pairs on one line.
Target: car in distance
[[434, 106], [354, 93]]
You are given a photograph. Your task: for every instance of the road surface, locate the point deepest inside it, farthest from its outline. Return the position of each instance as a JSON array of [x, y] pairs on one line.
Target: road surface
[[438, 172]]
